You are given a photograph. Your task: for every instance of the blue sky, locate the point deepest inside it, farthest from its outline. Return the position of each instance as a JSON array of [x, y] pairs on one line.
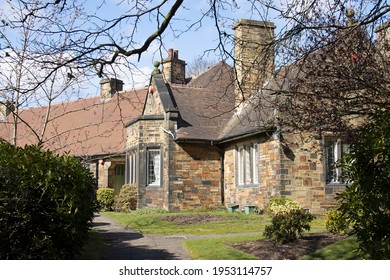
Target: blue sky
[[191, 44]]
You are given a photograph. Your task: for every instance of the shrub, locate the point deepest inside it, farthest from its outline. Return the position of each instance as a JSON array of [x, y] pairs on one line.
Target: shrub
[[336, 222], [47, 203], [127, 198], [106, 199], [366, 201], [282, 205], [289, 220]]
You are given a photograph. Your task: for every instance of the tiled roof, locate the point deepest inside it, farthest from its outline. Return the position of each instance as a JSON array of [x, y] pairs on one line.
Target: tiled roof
[[207, 108], [205, 104], [85, 127]]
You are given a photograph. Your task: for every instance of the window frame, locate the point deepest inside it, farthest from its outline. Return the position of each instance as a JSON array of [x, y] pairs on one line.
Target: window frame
[[334, 149], [156, 167], [247, 165], [131, 167]]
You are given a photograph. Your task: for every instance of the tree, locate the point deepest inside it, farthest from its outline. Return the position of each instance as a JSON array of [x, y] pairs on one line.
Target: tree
[[198, 66], [340, 81], [97, 42], [21, 85], [366, 201]]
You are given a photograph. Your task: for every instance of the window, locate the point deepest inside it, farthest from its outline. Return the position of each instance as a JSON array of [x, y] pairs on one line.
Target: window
[[131, 168], [255, 164], [334, 150], [247, 165], [154, 167]]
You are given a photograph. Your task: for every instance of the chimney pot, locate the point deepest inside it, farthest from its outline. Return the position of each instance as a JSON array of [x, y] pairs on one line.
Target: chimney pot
[[173, 68], [170, 53]]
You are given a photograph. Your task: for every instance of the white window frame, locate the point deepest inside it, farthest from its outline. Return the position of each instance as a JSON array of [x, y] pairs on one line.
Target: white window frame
[[153, 169], [255, 166], [131, 168], [334, 151], [247, 165]]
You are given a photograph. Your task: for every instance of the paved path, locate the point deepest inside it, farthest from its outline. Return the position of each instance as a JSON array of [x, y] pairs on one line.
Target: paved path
[[124, 243], [127, 244]]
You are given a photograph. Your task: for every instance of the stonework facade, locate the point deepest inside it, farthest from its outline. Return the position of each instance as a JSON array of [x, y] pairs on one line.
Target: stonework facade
[[254, 56], [173, 68], [188, 153]]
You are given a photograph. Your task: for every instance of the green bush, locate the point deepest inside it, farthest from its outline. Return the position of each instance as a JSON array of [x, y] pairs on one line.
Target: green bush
[[366, 201], [47, 203], [127, 198], [336, 222], [288, 222], [106, 199], [282, 205]]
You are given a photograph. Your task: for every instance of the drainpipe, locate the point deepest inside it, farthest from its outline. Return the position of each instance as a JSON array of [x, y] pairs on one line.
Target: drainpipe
[[222, 180]]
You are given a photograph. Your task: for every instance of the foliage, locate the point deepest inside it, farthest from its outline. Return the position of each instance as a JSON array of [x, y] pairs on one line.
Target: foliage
[[289, 220], [366, 201], [288, 226], [47, 204], [106, 199], [336, 222], [282, 205], [127, 198]]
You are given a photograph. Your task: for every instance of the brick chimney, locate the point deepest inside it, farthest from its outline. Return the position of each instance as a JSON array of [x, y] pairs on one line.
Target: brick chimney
[[254, 56], [108, 87], [6, 108], [173, 68]]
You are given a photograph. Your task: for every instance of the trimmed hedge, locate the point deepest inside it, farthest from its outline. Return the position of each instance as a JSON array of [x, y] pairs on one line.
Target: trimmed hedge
[[47, 203]]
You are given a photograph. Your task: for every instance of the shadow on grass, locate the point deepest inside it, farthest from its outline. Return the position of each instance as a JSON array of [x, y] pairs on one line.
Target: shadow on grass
[[342, 250]]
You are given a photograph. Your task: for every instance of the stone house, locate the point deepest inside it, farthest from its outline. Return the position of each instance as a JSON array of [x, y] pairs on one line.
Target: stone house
[[200, 142], [90, 128], [203, 142]]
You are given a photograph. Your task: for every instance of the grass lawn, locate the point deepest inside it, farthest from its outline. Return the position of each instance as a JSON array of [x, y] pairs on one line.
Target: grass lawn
[[94, 249], [341, 250], [218, 248], [151, 223]]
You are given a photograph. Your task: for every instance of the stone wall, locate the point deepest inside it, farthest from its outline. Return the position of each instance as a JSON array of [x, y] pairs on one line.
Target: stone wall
[[195, 176], [269, 173], [173, 68], [141, 136], [304, 175], [254, 56], [292, 168]]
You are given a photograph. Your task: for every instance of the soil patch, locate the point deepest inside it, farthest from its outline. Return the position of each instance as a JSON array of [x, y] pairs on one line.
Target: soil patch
[[195, 219], [267, 249]]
